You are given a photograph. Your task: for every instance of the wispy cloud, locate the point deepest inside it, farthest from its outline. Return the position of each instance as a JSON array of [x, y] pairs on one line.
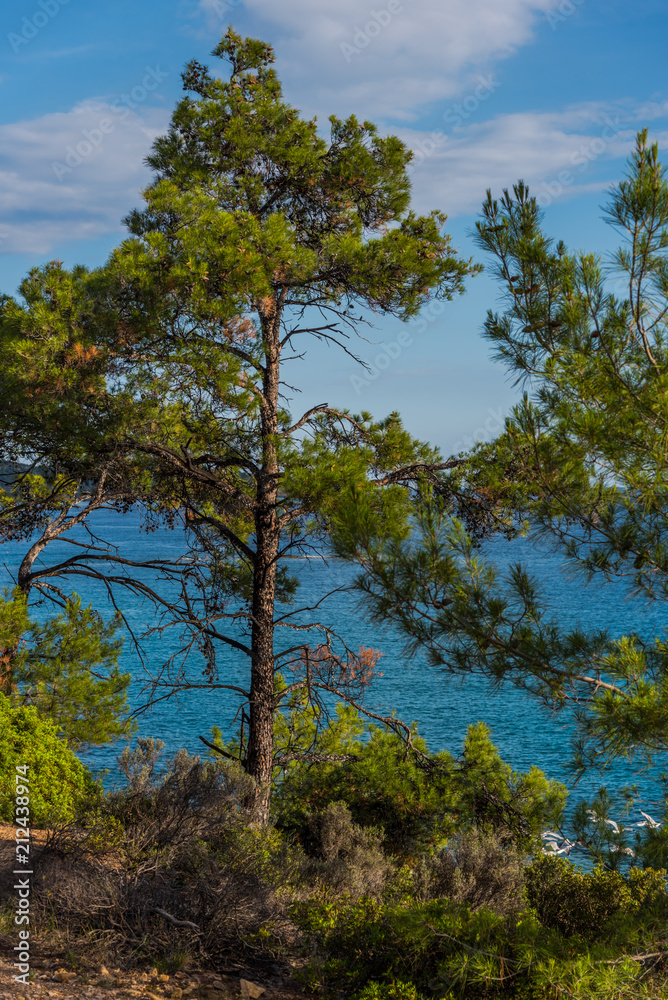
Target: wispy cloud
[[65, 53], [453, 170], [424, 50], [41, 210], [41, 205]]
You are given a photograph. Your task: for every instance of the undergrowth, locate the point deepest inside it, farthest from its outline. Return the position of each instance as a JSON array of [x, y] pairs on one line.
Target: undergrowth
[[394, 877]]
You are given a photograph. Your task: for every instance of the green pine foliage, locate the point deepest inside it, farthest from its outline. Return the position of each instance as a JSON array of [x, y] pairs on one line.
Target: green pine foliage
[[59, 785], [369, 948], [396, 990], [587, 903], [66, 667], [417, 799], [580, 465]]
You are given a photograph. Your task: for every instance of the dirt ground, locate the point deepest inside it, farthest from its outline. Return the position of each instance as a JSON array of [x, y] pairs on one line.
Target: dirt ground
[[61, 969], [55, 979]]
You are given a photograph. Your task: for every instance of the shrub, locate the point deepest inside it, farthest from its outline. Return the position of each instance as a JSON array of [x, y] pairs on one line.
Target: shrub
[[419, 800], [383, 789], [436, 946], [176, 839], [577, 902], [59, 783], [260, 854], [444, 949], [395, 990], [186, 799], [348, 858], [476, 868]]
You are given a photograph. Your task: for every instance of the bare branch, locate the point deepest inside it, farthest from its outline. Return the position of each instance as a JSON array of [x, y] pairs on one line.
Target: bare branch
[[223, 753], [322, 408], [417, 471], [314, 758], [173, 920]]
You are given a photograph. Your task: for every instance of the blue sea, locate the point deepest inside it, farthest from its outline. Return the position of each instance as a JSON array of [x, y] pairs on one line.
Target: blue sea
[[441, 704]]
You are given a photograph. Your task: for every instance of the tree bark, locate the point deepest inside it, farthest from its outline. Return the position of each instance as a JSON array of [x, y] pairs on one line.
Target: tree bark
[[260, 758]]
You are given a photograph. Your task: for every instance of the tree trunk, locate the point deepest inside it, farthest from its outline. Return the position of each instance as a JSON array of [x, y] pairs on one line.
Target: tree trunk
[[260, 754]]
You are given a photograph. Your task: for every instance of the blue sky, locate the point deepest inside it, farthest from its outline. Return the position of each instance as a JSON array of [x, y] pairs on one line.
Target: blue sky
[[484, 91]]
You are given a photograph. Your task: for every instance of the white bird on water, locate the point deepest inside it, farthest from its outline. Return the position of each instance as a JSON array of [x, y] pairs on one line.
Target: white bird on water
[[651, 823], [556, 844]]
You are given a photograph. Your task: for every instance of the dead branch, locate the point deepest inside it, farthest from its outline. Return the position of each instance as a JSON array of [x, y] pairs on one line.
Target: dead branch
[[315, 758], [173, 920]]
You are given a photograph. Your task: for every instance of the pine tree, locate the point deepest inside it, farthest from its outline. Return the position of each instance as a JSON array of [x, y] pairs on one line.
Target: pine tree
[[66, 668], [582, 463], [159, 381]]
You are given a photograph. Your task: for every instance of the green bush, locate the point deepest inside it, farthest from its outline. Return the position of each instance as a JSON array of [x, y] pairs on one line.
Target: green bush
[[359, 944], [395, 990], [58, 782], [260, 854], [419, 800], [444, 949], [347, 858], [576, 902], [384, 789]]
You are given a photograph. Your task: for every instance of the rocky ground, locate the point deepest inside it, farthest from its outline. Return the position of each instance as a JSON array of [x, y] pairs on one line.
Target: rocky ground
[[56, 973], [62, 969], [53, 977]]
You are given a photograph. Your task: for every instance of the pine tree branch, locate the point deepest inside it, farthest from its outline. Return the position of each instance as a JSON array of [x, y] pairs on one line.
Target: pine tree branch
[[417, 471], [315, 758], [223, 753]]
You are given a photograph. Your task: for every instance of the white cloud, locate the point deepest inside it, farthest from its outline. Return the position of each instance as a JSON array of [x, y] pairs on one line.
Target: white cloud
[[387, 58], [73, 175], [554, 152], [217, 13]]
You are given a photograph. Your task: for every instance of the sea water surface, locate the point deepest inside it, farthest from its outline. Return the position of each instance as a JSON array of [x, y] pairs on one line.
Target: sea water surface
[[443, 705]]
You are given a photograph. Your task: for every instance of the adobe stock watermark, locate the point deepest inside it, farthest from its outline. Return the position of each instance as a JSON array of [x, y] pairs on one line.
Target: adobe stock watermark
[[390, 352], [382, 361], [31, 26], [455, 115], [493, 426], [364, 34], [74, 156], [223, 7], [549, 191], [565, 10], [22, 871]]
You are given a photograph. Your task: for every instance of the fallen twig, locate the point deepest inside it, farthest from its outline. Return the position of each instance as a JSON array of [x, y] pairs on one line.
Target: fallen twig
[[173, 920]]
